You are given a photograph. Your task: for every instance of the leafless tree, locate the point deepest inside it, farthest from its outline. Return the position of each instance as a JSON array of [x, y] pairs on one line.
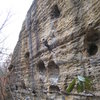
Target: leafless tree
[[3, 24], [4, 64], [4, 80]]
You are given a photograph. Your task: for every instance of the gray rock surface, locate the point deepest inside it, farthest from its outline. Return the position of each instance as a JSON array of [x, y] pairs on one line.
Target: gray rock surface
[[72, 31]]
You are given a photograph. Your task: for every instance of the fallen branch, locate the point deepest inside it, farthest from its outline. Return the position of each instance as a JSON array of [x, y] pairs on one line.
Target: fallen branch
[[80, 94], [75, 94]]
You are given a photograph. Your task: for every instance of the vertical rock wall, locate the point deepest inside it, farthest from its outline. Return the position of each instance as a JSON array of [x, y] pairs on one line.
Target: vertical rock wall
[[59, 40]]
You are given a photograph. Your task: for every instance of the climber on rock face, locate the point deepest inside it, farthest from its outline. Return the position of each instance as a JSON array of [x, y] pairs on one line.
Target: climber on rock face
[[45, 42]]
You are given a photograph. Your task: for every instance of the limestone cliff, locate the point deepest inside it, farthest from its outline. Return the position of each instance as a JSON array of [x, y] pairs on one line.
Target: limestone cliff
[[59, 40]]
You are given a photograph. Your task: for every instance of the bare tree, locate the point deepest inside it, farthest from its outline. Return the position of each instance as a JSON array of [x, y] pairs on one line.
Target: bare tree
[[4, 64], [5, 90], [3, 24]]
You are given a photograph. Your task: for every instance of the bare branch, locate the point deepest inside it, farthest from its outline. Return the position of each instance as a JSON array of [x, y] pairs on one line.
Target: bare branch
[[5, 21], [3, 40]]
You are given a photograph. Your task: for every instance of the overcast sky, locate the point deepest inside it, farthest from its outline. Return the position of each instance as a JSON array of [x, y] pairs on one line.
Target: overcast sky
[[18, 10]]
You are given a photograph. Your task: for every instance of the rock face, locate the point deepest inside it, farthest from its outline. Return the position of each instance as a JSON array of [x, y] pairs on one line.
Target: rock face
[[59, 40]]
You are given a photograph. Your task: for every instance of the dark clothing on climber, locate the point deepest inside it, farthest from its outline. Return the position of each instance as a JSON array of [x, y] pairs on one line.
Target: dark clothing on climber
[[45, 42]]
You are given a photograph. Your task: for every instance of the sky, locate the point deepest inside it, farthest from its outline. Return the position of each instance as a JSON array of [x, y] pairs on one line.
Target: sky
[[17, 10]]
